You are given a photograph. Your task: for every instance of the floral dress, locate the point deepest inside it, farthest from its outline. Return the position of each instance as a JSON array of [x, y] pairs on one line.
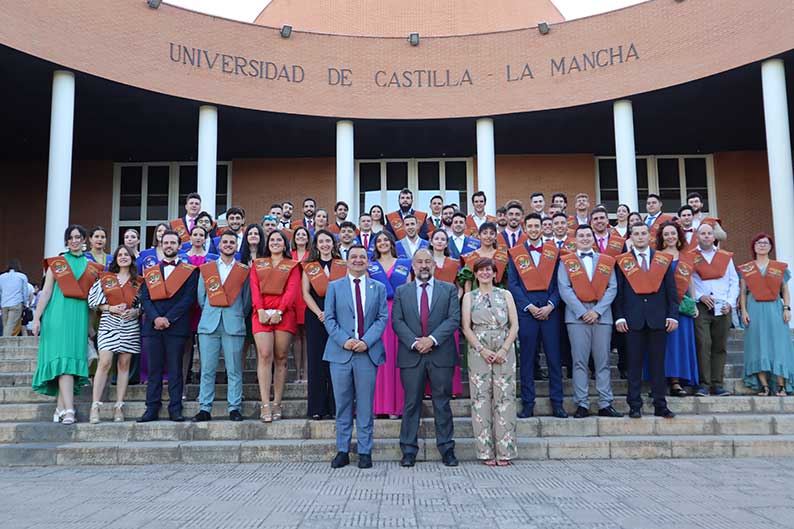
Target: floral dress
[[493, 386]]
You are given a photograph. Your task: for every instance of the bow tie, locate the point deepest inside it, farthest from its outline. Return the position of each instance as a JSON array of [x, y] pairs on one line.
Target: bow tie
[[169, 263], [586, 254], [689, 230], [535, 248]]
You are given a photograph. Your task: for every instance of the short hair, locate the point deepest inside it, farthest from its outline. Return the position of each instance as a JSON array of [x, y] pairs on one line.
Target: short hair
[[514, 204], [341, 203], [309, 199], [501, 210], [422, 250], [757, 238], [285, 202], [357, 247], [364, 214], [537, 194], [347, 224], [585, 227], [406, 191], [654, 195], [636, 225], [410, 217], [561, 195], [14, 264], [448, 206], [437, 197], [478, 194], [203, 214], [171, 232], [582, 195], [660, 238], [484, 262], [695, 194], [192, 195], [599, 209], [684, 208], [533, 215], [228, 232], [275, 205], [68, 233], [459, 214], [487, 226], [235, 210], [559, 214]]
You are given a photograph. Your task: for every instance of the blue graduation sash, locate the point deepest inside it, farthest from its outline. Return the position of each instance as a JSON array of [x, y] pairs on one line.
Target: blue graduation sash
[[399, 276], [147, 259]]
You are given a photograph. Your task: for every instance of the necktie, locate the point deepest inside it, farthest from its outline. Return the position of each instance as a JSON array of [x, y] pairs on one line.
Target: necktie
[[190, 224], [644, 263], [359, 309], [602, 246], [649, 220], [437, 223], [309, 223], [366, 240], [513, 235], [559, 244], [424, 310]]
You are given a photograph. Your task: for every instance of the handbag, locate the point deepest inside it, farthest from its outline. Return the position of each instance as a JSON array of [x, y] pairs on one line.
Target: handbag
[[687, 306], [27, 315]]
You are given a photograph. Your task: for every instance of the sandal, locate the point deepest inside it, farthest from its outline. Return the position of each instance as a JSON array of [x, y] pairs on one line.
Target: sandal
[[93, 417], [781, 391], [677, 390], [68, 417], [58, 415], [118, 413], [764, 391], [264, 413], [489, 462], [276, 411], [503, 463]]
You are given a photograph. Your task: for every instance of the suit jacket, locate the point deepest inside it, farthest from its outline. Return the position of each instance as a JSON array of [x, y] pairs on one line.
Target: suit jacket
[[232, 317], [524, 298], [444, 321], [575, 308], [646, 309], [340, 320], [469, 245], [176, 308], [404, 252]]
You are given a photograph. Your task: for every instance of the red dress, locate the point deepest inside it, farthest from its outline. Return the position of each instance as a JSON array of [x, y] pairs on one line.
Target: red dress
[[285, 302]]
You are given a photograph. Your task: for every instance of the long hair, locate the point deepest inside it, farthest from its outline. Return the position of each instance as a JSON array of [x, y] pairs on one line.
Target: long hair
[[660, 238], [314, 252], [376, 255], [446, 248], [382, 214], [294, 246], [245, 249], [277, 233], [114, 264], [155, 242]]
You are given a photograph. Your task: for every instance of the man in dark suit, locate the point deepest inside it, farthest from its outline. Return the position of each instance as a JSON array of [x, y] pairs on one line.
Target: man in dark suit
[[167, 295], [425, 316], [646, 309]]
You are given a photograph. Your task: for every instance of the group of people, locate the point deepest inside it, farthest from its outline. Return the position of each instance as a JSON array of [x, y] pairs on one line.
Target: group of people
[[381, 312]]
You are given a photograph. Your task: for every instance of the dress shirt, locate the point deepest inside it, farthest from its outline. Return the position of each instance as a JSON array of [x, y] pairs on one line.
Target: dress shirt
[[13, 288], [689, 234], [478, 221], [239, 240], [430, 283], [412, 247], [509, 235], [436, 221], [587, 259], [535, 255], [188, 219], [224, 270], [170, 268], [647, 253], [459, 241], [725, 288], [558, 242], [650, 219], [696, 220], [580, 220], [284, 224], [343, 252], [602, 241], [363, 287], [366, 243]]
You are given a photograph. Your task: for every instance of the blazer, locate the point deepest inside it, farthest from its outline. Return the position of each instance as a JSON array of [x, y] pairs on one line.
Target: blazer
[[469, 245], [444, 321], [232, 317], [176, 308], [575, 309], [403, 251], [524, 298], [340, 320], [647, 309]]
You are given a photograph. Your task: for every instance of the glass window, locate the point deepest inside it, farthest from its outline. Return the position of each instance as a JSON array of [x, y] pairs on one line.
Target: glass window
[[642, 181], [130, 193], [608, 183], [429, 175], [396, 180], [697, 179], [669, 182], [221, 190], [456, 184], [157, 192], [188, 183], [368, 185]]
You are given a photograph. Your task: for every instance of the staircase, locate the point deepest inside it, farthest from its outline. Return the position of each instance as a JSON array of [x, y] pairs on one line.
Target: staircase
[[742, 425]]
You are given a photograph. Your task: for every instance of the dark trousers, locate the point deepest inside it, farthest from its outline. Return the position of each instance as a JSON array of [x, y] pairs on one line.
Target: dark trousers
[[530, 331], [651, 342], [711, 342], [164, 351], [318, 372], [413, 379]]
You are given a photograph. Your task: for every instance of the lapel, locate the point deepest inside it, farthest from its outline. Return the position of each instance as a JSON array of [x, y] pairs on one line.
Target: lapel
[[434, 297], [348, 296], [368, 303]]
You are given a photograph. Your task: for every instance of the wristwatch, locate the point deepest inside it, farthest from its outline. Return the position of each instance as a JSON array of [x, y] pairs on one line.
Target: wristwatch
[[786, 307], [479, 348]]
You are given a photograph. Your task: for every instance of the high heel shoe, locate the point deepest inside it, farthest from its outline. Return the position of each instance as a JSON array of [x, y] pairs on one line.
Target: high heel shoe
[[68, 417], [58, 415], [118, 412], [93, 417], [781, 391], [764, 391], [276, 411], [265, 414]]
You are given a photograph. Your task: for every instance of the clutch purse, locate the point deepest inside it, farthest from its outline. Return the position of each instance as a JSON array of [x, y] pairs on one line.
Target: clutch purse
[[687, 306]]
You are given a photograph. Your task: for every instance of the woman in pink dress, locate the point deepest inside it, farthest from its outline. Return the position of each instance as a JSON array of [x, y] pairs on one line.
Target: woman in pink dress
[[301, 247], [392, 272]]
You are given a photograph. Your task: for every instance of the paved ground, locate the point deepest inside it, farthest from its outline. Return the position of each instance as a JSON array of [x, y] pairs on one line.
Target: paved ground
[[681, 494]]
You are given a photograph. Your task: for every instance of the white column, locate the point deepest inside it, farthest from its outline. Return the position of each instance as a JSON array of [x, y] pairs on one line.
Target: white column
[[345, 166], [486, 163], [59, 169], [624, 152], [207, 157], [778, 151]]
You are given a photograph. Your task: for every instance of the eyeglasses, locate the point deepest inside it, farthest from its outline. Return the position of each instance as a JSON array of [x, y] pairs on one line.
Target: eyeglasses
[[762, 243]]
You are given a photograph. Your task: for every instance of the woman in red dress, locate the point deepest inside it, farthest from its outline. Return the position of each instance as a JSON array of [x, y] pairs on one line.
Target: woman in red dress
[[301, 247], [275, 285]]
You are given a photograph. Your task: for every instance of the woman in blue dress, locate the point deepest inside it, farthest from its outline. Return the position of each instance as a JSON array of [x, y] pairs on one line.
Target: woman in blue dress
[[151, 256], [764, 304], [97, 240]]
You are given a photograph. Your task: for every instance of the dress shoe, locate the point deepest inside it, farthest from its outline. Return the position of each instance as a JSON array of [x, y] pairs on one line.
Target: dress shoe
[[581, 413], [364, 461], [176, 417], [527, 410], [235, 416], [719, 391], [702, 391], [408, 460], [559, 412], [202, 416], [609, 411], [449, 458], [341, 459], [663, 412], [149, 415], [635, 413], [623, 375]]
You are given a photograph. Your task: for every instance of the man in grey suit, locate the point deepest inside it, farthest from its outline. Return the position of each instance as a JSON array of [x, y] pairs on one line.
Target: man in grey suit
[[425, 316], [356, 314], [588, 286], [224, 296]]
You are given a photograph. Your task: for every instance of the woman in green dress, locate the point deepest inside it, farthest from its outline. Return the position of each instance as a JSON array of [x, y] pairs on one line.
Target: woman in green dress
[[62, 320]]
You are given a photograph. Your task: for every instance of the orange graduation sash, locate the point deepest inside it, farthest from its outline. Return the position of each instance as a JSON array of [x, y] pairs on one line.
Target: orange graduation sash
[[572, 222], [396, 222], [431, 226], [70, 286], [764, 287], [178, 225], [163, 289], [569, 246], [114, 292], [683, 273], [448, 272], [614, 245], [273, 279], [716, 268], [588, 291], [654, 228], [535, 278], [472, 230], [645, 282], [334, 228], [501, 239], [223, 294], [500, 259], [317, 277]]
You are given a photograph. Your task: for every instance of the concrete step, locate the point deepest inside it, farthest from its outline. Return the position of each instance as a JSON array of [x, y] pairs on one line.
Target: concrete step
[[221, 429], [42, 411], [323, 450]]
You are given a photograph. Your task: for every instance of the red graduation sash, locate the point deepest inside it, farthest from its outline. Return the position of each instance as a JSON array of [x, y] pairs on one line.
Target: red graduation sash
[[683, 273], [223, 294], [614, 245], [645, 282], [535, 278], [716, 268], [317, 277], [163, 289], [588, 290], [448, 272], [179, 226], [764, 287], [70, 286], [114, 292], [500, 258], [273, 279]]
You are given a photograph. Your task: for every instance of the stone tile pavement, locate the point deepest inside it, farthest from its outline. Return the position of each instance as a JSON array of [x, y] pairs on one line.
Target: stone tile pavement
[[602, 494]]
